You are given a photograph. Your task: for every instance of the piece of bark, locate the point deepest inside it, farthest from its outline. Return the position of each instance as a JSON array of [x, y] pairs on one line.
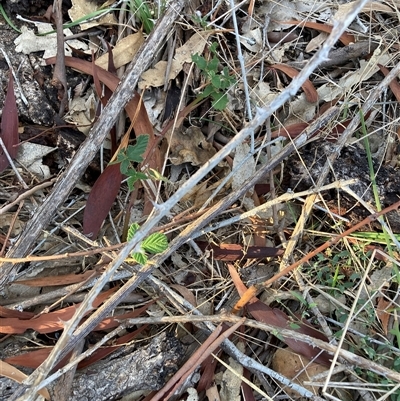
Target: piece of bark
[[148, 368], [61, 388], [145, 369]]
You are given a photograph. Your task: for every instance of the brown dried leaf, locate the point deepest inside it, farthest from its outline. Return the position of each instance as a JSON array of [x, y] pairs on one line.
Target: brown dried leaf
[[5, 312], [308, 88], [394, 85], [123, 51], [278, 318], [49, 322], [9, 126], [13, 373], [100, 200], [232, 252], [65, 279], [289, 364], [346, 38], [383, 314]]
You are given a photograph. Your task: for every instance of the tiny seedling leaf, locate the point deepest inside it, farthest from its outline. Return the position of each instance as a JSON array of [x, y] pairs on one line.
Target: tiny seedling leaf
[[135, 152], [213, 64], [200, 61], [132, 231], [155, 175], [213, 47], [133, 177], [140, 257], [125, 166], [216, 81], [155, 243], [220, 101], [207, 91]]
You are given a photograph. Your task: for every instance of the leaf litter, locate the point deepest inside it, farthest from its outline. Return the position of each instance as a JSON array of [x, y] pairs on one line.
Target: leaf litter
[[278, 42]]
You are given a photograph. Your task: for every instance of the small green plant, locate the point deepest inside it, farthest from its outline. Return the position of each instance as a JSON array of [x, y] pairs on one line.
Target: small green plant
[[143, 12], [219, 82], [133, 154], [153, 244], [202, 21]]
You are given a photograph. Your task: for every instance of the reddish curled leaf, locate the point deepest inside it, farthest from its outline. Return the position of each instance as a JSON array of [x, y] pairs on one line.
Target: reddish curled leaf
[[394, 84], [31, 359], [35, 358], [16, 375], [5, 312], [232, 252], [264, 313], [308, 88], [9, 126], [294, 130], [345, 38], [100, 200], [65, 279], [48, 322]]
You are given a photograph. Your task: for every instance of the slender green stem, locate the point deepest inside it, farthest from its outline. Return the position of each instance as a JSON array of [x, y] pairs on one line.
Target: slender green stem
[[8, 20]]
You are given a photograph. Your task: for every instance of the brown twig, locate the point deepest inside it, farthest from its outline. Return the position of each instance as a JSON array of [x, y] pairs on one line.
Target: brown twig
[[59, 80]]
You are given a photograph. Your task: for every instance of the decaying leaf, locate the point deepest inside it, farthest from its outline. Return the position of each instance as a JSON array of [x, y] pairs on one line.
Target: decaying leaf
[[232, 252], [371, 6], [30, 156], [85, 8], [156, 76], [100, 199], [190, 146], [244, 167], [9, 126], [48, 322], [290, 364], [264, 313], [28, 42], [394, 85], [123, 51], [13, 373], [346, 38], [65, 279], [308, 87]]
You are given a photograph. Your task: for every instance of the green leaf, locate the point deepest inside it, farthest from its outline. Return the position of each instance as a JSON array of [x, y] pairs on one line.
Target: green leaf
[[208, 91], [140, 257], [200, 61], [216, 81], [219, 101], [294, 326], [213, 47], [132, 231], [155, 243], [131, 182], [124, 167], [135, 152], [213, 64]]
